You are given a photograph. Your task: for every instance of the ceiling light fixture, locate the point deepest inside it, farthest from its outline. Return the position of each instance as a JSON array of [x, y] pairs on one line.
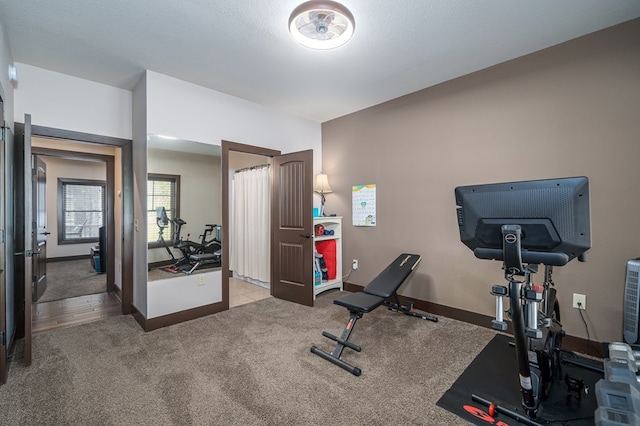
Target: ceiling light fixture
[[13, 73], [321, 24]]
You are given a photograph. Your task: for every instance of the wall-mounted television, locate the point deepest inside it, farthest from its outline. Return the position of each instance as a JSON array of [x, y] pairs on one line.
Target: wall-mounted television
[[554, 215]]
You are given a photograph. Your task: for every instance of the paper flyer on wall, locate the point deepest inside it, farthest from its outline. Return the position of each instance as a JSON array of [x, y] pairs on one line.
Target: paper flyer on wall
[[364, 205]]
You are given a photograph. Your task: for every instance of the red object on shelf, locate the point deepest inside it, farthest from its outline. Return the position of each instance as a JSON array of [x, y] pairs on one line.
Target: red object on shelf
[[328, 250]]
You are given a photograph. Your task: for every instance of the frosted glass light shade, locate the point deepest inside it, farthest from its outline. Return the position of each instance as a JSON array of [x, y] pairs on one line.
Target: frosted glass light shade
[[321, 24]]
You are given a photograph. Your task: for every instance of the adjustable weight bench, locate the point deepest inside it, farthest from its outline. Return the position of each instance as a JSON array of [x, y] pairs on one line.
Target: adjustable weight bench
[[381, 291]]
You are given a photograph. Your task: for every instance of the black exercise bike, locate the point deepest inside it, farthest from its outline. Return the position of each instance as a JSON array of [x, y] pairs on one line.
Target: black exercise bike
[[194, 255], [526, 224], [535, 315]]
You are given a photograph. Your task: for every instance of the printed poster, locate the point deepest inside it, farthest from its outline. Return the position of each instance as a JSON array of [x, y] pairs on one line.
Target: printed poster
[[364, 205]]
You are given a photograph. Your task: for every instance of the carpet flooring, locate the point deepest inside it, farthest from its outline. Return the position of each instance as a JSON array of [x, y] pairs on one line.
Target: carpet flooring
[[250, 365], [72, 278]]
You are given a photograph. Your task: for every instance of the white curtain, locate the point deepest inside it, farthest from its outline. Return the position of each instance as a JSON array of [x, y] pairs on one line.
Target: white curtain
[[250, 238]]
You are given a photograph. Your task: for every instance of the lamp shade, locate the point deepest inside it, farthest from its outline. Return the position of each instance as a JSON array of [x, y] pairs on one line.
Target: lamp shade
[[322, 184]]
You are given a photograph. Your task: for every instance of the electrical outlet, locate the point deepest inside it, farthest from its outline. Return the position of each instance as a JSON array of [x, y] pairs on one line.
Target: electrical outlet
[[354, 265], [200, 279], [579, 301]]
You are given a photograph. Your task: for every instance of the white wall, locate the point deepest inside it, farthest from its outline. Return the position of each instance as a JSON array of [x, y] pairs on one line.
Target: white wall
[[70, 103], [6, 88], [187, 111], [139, 154], [206, 289]]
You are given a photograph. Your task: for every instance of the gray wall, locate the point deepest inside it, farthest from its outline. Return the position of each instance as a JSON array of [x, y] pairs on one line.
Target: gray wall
[[573, 109]]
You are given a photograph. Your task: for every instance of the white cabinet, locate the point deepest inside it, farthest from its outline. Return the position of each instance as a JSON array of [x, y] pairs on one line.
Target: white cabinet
[[332, 224]]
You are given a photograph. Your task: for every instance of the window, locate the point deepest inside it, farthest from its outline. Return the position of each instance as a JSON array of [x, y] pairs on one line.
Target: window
[[81, 210], [162, 191]]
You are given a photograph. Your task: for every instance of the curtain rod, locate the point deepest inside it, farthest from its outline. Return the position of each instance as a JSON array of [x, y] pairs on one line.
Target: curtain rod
[[251, 168]]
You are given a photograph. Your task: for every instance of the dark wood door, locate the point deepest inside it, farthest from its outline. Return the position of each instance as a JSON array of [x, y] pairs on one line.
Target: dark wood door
[[39, 258], [292, 242], [23, 228], [3, 259]]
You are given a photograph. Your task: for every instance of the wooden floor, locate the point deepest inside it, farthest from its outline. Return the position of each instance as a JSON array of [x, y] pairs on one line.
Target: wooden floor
[[74, 311], [78, 310]]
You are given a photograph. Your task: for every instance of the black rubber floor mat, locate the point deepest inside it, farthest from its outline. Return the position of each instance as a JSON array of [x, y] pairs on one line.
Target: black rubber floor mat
[[493, 376]]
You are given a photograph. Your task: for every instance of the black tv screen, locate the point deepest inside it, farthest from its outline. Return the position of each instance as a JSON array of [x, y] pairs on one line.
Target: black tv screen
[[554, 215]]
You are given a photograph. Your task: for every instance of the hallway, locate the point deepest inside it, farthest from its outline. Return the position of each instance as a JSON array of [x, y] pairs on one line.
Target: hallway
[[84, 309], [74, 311]]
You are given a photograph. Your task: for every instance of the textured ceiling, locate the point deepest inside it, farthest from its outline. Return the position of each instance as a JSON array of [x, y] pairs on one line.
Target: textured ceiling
[[243, 48]]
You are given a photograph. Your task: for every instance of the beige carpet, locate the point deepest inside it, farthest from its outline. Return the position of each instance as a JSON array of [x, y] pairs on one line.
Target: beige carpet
[[250, 365], [72, 278]]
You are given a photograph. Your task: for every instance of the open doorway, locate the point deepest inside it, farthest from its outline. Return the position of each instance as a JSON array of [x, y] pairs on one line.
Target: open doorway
[[291, 224], [238, 290], [70, 201], [115, 155], [249, 227], [237, 156]]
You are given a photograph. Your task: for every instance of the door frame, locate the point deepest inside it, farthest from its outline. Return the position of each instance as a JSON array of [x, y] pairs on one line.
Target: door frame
[[126, 146], [228, 146], [109, 162], [22, 235], [3, 290]]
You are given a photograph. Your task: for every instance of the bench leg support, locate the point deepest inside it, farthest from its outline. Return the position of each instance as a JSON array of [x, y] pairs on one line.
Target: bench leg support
[[408, 310], [342, 342]]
